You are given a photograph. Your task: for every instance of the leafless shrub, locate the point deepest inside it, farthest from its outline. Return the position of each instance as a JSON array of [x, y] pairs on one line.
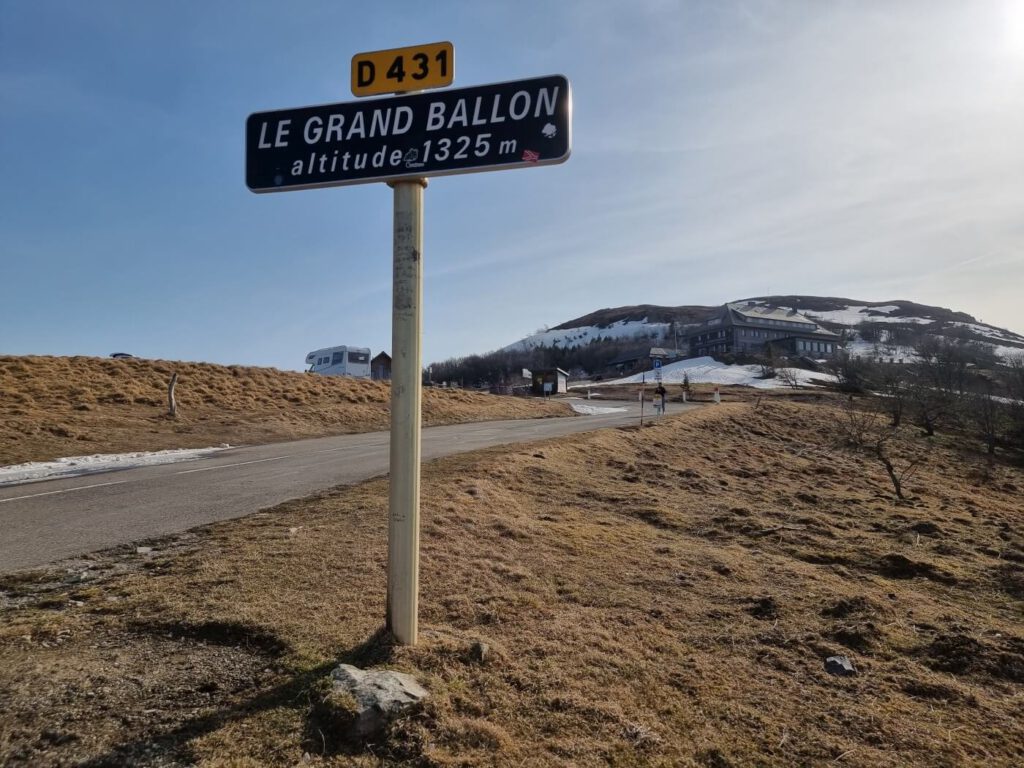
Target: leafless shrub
[[789, 377], [853, 374], [864, 430], [857, 424]]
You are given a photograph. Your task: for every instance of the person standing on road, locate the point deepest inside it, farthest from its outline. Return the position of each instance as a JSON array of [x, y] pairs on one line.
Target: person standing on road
[[660, 393]]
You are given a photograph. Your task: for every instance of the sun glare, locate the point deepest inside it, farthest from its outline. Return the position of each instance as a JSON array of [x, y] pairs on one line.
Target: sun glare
[[1013, 27]]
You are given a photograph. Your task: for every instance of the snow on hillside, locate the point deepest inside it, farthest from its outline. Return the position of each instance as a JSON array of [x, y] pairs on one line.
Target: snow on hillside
[[856, 314], [1007, 353], [1003, 342], [706, 370], [574, 337], [889, 352], [996, 335], [834, 312]]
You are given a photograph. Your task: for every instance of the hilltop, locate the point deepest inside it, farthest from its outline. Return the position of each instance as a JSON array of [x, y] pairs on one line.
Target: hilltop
[[650, 322], [597, 345], [67, 406]]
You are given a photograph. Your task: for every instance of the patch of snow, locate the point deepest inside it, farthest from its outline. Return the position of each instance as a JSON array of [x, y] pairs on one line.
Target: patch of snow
[[567, 338], [707, 370], [72, 466], [857, 314], [594, 410], [990, 332], [888, 352], [1007, 352]]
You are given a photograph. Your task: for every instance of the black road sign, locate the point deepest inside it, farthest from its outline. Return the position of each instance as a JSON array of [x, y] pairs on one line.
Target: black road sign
[[483, 128]]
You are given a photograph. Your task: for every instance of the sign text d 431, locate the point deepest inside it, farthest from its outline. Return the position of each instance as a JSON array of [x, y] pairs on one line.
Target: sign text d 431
[[398, 70]]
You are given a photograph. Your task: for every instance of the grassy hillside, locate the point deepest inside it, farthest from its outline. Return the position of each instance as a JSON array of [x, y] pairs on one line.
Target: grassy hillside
[[67, 406], [658, 597]]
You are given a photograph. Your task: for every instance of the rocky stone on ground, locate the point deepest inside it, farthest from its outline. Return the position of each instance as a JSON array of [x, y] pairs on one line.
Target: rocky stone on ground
[[379, 696], [840, 665]]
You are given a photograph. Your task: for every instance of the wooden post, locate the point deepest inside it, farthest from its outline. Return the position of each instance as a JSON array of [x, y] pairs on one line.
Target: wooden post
[[172, 406], [406, 414]]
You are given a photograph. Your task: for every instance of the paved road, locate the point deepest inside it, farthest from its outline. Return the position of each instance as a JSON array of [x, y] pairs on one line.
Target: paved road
[[46, 521]]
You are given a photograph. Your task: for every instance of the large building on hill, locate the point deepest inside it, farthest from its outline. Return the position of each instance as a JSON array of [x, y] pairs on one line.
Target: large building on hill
[[746, 328]]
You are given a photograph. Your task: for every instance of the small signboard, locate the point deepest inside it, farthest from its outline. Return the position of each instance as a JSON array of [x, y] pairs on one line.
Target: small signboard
[[517, 124], [657, 363], [397, 70]]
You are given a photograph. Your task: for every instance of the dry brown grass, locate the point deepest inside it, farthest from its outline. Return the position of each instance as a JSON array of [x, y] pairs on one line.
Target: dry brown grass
[[66, 406], [655, 597]]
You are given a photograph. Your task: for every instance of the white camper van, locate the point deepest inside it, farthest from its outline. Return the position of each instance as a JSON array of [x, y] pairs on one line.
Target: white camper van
[[340, 361]]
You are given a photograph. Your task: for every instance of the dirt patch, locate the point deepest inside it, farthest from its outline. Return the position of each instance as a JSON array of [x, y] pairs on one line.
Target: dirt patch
[[896, 566], [963, 655], [853, 606], [765, 608]]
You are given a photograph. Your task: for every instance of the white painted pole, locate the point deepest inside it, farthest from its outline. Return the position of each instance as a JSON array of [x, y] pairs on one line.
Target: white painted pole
[[406, 394], [643, 381]]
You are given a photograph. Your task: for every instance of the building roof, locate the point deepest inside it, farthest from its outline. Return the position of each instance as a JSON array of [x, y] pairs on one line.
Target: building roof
[[662, 352], [549, 370], [818, 333], [752, 311], [381, 356]]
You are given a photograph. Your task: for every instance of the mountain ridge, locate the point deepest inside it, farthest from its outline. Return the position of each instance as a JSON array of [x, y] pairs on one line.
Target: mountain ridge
[[653, 321]]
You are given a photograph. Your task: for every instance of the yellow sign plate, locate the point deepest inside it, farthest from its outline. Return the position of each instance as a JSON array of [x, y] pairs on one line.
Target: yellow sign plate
[[403, 69]]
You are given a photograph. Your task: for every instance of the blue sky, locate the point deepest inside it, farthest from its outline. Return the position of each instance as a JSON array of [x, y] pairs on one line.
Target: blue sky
[[721, 149]]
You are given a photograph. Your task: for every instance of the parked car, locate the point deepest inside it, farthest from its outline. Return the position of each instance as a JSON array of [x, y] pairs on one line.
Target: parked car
[[121, 356]]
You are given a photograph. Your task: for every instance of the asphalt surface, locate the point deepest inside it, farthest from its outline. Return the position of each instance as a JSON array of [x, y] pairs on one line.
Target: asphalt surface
[[45, 521]]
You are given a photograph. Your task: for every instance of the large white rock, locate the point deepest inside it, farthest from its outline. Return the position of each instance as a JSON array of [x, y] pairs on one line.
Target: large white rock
[[380, 695]]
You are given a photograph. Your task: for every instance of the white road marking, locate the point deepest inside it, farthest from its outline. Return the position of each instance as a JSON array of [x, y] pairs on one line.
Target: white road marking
[[226, 466], [66, 490], [352, 447]]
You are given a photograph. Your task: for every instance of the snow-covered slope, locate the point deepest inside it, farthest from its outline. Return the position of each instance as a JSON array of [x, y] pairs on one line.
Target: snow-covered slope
[[707, 370], [858, 313], [568, 337]]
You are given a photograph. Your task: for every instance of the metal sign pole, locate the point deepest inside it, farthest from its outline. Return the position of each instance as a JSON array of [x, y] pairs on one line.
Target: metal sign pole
[[643, 384], [406, 395]]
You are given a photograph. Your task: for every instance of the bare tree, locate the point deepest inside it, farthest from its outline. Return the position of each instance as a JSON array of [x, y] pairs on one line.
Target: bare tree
[[767, 362], [893, 382], [986, 415], [789, 377], [853, 374], [931, 405], [1015, 392], [881, 450], [864, 430]]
